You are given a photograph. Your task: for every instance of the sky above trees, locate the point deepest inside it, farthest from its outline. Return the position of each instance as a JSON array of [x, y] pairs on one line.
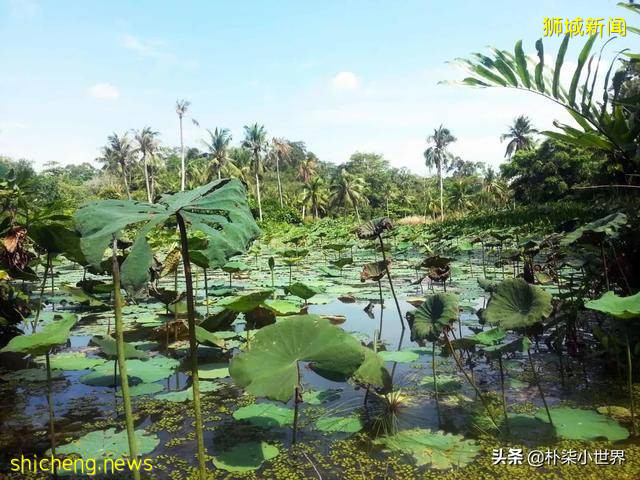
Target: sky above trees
[[341, 76]]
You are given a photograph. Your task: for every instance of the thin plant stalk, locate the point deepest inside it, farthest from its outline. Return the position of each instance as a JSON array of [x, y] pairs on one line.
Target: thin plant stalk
[[52, 431], [124, 379], [381, 311], [435, 382], [34, 323], [296, 402], [456, 358], [193, 347], [630, 383], [504, 396], [206, 291], [393, 292], [537, 379]]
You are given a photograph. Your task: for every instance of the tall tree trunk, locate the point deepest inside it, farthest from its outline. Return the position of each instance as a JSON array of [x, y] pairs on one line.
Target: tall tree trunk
[[183, 172], [146, 177], [193, 346], [304, 209], [122, 364], [258, 194], [279, 183], [126, 182], [441, 190]]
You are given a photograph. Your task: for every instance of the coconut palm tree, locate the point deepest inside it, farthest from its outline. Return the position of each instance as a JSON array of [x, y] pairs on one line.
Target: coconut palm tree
[[255, 140], [348, 188], [218, 146], [181, 108], [438, 156], [496, 191], [119, 152], [147, 145], [280, 151], [520, 136], [316, 196], [307, 168]]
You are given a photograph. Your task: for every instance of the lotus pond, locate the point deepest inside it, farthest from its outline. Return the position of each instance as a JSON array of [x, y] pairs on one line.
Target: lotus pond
[[428, 403]]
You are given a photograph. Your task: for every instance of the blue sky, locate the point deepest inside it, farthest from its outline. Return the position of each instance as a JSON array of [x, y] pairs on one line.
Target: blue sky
[[343, 76]]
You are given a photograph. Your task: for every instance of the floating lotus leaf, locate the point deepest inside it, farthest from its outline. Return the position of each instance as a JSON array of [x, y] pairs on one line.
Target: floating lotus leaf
[[303, 290], [281, 307], [400, 356], [435, 449], [594, 232], [374, 271], [374, 228], [213, 370], [207, 338], [445, 383], [587, 425], [31, 375], [74, 361], [244, 303], [245, 457], [329, 272], [108, 444], [318, 397], [187, 394], [269, 368], [435, 313], [342, 262], [517, 304], [235, 266], [265, 415], [339, 424], [143, 389], [623, 308], [108, 348], [40, 343], [148, 371]]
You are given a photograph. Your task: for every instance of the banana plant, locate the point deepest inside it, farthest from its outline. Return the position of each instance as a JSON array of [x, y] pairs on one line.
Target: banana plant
[[218, 211]]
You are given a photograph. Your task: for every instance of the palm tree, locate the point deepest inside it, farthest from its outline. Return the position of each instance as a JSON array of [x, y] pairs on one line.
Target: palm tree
[[181, 108], [494, 188], [316, 196], [147, 145], [255, 140], [438, 155], [520, 136], [307, 168], [118, 153], [218, 146], [280, 150], [348, 188]]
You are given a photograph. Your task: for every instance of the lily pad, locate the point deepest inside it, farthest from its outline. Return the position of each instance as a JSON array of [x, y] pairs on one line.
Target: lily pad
[[318, 397], [303, 290], [623, 308], [187, 394], [281, 307], [244, 303], [400, 356], [587, 425], [108, 444], [445, 383], [265, 415], [517, 304], [213, 370], [108, 348], [73, 361], [339, 424], [245, 457], [143, 389], [40, 343]]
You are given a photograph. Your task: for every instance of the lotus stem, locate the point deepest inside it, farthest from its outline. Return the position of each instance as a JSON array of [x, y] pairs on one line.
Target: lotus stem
[[630, 383], [193, 347], [605, 267], [124, 379], [537, 379], [52, 431], [456, 358], [435, 382], [296, 402], [206, 290], [393, 292], [34, 323], [381, 311], [504, 396]]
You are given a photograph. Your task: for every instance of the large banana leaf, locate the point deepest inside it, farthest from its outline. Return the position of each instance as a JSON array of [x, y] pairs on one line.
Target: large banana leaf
[[218, 210]]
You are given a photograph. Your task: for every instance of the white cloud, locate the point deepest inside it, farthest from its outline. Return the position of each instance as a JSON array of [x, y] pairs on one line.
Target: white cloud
[[343, 81], [104, 91]]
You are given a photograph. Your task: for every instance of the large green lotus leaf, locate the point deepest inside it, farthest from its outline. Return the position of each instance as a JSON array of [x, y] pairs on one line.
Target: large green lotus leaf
[[265, 415], [143, 389], [489, 337], [269, 368], [31, 375], [342, 262], [108, 444], [219, 319], [373, 371], [80, 296], [519, 345], [245, 457], [400, 356], [213, 370], [218, 210], [148, 371], [244, 303], [281, 307], [619, 307], [517, 304], [109, 349], [207, 338], [487, 285], [445, 383], [55, 238], [329, 272], [186, 394], [374, 228], [595, 231], [40, 343], [303, 290], [587, 425], [436, 449], [235, 266], [339, 424], [73, 361], [435, 313], [318, 397]]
